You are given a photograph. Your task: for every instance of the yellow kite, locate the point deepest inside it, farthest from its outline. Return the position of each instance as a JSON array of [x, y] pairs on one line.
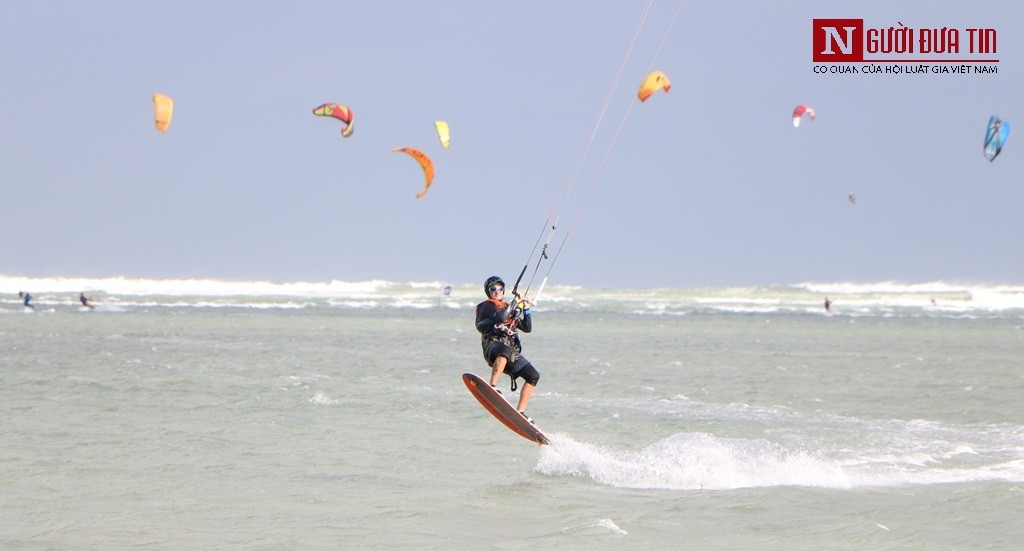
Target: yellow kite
[[442, 133], [163, 109], [655, 80]]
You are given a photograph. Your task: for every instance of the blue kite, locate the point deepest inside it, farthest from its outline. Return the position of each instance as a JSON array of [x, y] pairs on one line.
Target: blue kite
[[995, 137]]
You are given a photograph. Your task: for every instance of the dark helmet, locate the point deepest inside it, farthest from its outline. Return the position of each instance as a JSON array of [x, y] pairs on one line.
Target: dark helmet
[[491, 281]]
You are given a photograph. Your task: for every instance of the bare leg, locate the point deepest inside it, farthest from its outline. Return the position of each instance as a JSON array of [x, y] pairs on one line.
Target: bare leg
[[524, 396], [497, 369]]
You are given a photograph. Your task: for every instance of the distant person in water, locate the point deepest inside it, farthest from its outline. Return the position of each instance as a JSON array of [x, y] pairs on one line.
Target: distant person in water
[[86, 301], [27, 299], [828, 305]]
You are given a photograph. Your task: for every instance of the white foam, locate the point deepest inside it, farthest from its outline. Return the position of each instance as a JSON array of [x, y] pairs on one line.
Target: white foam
[[690, 461], [321, 398], [886, 299], [695, 461], [608, 524]]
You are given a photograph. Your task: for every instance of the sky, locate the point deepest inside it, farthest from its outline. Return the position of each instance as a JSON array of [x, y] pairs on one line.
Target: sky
[[708, 185]]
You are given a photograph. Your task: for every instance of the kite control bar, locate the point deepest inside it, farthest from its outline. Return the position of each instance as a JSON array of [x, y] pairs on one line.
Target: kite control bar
[[515, 288]]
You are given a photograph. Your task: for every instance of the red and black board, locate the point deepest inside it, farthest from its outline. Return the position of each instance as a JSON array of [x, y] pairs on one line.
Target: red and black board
[[503, 411]]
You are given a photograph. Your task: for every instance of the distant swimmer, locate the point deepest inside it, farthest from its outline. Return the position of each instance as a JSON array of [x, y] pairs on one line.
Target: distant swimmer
[[86, 301], [499, 324], [27, 299], [828, 305]]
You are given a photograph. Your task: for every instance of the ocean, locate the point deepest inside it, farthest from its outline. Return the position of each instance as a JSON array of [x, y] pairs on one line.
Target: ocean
[[205, 414]]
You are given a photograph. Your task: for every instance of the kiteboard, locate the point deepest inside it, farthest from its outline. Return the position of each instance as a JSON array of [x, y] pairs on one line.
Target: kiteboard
[[503, 411]]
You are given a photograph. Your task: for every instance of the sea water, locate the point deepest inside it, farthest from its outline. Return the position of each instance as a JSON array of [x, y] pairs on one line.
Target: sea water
[[256, 415]]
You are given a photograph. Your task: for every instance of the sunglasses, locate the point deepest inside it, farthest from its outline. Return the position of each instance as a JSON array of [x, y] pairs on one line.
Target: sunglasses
[[495, 289]]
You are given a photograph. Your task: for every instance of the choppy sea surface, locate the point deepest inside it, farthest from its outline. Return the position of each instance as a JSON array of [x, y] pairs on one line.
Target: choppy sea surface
[[202, 414]]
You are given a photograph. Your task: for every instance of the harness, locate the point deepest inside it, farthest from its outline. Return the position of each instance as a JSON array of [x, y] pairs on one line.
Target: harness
[[510, 339]]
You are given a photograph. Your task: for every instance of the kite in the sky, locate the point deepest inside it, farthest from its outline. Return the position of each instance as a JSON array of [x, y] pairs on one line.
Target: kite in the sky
[[163, 109], [424, 161], [995, 137], [442, 133], [799, 112], [340, 112], [650, 85], [852, 198]]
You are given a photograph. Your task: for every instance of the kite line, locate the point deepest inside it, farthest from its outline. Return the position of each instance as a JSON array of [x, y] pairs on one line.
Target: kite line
[[551, 226]]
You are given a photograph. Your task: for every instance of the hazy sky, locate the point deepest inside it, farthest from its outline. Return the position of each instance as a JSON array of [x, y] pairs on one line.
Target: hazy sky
[[708, 185]]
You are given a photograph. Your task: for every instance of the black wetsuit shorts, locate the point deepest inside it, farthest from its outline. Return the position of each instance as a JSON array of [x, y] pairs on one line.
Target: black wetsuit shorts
[[517, 366]]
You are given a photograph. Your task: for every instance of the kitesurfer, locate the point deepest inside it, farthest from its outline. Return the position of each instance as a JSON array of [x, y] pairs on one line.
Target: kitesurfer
[[828, 305], [27, 299], [498, 323], [86, 301]]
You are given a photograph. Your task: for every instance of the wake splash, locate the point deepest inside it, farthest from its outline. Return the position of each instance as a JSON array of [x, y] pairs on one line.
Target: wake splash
[[697, 461], [690, 461]]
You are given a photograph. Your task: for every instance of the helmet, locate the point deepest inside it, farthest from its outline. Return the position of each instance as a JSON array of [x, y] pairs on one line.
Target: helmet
[[491, 281]]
